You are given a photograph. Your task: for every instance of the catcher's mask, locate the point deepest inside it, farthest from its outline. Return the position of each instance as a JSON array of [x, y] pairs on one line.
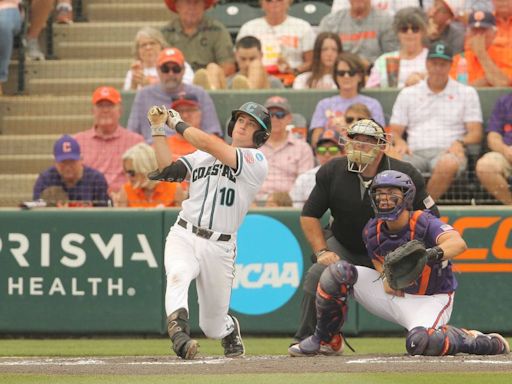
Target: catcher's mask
[[392, 179], [260, 114], [359, 159]]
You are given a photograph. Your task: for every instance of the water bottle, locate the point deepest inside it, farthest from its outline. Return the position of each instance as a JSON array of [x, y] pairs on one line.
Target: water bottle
[[462, 70]]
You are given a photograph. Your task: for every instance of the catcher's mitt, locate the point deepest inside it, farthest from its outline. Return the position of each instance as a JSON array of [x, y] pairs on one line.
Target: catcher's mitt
[[404, 265]]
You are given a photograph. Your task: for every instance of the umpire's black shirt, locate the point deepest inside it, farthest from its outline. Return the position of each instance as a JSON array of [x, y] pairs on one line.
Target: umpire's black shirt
[[344, 193]]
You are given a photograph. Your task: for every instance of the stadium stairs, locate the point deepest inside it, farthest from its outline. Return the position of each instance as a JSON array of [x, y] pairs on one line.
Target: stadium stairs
[[57, 98]]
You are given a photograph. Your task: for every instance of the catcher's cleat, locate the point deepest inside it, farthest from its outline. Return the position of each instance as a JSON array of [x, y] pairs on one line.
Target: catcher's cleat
[[500, 340], [334, 347], [306, 348], [489, 344], [232, 343]]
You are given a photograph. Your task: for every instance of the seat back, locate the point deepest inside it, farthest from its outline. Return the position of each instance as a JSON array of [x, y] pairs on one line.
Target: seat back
[[234, 15], [311, 11]]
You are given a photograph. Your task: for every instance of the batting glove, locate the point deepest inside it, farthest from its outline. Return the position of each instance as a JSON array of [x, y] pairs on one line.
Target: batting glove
[[157, 117], [174, 121]]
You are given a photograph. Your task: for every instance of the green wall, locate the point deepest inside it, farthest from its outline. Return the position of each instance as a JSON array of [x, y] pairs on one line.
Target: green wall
[[101, 271], [304, 101]]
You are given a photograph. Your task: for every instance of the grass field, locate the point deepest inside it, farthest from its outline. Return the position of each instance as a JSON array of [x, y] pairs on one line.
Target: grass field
[[255, 347]]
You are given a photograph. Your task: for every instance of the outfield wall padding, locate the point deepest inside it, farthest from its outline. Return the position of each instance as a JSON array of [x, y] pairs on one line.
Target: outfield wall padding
[[101, 272]]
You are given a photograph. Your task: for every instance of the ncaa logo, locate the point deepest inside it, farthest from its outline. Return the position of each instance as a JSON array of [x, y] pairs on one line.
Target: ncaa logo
[[269, 266]]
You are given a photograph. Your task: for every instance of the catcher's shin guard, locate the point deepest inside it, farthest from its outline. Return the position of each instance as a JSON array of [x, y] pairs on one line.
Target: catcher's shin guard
[[450, 340], [332, 293], [179, 332]]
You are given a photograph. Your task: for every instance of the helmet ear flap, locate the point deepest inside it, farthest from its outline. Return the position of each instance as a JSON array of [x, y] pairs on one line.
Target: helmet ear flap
[[231, 124], [260, 137]]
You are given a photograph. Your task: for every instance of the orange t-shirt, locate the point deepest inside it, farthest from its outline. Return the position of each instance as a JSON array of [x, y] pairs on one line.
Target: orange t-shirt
[[179, 146], [503, 33], [501, 56], [163, 195]]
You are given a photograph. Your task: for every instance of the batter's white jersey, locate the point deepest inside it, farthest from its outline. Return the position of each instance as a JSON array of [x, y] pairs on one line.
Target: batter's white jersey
[[219, 195]]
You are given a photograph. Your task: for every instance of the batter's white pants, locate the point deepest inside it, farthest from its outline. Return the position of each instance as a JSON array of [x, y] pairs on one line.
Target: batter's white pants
[[409, 311], [212, 265]]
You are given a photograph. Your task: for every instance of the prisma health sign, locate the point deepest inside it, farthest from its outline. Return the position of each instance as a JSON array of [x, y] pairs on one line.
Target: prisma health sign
[[67, 271]]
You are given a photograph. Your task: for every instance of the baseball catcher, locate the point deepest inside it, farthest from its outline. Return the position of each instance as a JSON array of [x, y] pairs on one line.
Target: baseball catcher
[[413, 250]]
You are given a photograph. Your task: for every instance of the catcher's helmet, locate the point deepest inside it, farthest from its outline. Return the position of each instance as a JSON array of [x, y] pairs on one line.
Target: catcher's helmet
[[358, 160], [260, 114], [392, 179]]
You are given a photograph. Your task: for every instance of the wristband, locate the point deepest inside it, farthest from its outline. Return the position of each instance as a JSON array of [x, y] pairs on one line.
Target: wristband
[[435, 254], [158, 130], [317, 254], [181, 127]]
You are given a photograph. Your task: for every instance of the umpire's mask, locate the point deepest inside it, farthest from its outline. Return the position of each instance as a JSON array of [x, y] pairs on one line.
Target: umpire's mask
[[362, 153]]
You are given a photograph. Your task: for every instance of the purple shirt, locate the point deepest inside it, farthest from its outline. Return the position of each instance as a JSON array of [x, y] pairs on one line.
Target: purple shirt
[[501, 118], [331, 107], [152, 95], [91, 187], [440, 275]]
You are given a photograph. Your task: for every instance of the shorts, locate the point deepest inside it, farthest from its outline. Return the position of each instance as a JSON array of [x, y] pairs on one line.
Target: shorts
[[425, 160], [500, 160]]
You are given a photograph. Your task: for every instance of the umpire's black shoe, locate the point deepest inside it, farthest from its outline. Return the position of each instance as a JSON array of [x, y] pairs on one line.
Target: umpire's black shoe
[[232, 343]]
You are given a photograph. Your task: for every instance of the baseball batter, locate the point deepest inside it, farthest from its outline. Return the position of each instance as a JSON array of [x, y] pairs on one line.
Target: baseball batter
[[201, 245], [423, 308]]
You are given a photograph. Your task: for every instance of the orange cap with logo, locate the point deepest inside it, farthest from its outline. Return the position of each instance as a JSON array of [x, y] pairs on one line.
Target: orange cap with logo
[[106, 93]]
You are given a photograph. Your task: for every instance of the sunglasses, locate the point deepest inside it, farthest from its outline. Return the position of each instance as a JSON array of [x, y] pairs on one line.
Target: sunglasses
[[327, 150], [130, 172], [406, 28], [343, 73], [278, 114], [350, 119], [165, 68]]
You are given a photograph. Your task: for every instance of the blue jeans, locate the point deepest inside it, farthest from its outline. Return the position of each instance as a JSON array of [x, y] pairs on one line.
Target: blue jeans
[[10, 26]]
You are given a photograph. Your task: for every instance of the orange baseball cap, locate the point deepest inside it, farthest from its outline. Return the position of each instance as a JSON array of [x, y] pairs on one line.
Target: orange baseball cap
[[171, 4], [171, 55], [106, 93]]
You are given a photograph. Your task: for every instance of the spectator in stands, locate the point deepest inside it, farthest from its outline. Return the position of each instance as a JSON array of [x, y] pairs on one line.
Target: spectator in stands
[[39, 12], [391, 6], [325, 51], [278, 200], [363, 29], [187, 105], [251, 72], [503, 12], [328, 147], [350, 79], [287, 41], [139, 191], [104, 143], [10, 26], [170, 71], [441, 117], [494, 169], [147, 45], [201, 39], [64, 12], [442, 24], [410, 24], [483, 64], [287, 156], [79, 182]]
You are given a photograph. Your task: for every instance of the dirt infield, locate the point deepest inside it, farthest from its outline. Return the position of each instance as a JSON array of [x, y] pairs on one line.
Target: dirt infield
[[252, 364]]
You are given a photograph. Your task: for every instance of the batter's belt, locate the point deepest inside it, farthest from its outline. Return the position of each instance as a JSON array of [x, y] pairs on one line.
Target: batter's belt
[[203, 232]]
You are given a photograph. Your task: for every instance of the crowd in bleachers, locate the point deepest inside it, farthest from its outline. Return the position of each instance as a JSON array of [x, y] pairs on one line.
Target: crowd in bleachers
[[435, 51]]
